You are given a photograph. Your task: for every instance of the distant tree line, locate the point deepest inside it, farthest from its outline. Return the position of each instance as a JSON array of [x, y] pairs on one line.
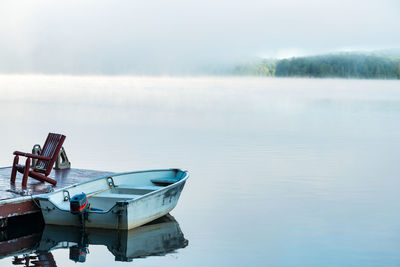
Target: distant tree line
[[261, 68], [340, 65]]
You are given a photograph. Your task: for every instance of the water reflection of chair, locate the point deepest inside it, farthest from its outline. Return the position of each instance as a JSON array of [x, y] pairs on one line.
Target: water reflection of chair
[[45, 259]]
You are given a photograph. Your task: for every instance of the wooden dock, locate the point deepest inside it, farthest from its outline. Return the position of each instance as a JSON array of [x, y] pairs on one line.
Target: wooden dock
[[16, 200]]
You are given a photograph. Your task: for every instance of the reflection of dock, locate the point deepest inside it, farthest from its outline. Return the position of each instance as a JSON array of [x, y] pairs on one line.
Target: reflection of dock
[[34, 244], [16, 200], [21, 237]]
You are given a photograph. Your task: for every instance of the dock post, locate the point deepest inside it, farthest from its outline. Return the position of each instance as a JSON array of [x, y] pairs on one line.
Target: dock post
[[26, 171], [14, 169]]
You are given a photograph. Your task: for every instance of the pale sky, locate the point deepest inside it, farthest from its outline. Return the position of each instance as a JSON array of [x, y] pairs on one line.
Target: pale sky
[[184, 36]]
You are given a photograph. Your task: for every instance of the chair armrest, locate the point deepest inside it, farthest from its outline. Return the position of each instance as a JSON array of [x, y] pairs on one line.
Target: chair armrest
[[28, 155]]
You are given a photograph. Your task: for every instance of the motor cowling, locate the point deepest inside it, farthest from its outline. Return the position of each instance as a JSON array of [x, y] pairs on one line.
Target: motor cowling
[[79, 204]]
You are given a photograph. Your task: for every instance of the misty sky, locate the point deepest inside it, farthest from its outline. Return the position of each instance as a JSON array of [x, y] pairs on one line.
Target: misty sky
[[145, 37]]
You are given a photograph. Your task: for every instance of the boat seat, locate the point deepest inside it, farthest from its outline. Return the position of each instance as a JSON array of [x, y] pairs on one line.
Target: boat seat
[[116, 195], [164, 181], [144, 187], [136, 190]]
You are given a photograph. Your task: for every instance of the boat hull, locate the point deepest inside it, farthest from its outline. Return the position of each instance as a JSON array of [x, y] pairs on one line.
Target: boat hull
[[125, 214]]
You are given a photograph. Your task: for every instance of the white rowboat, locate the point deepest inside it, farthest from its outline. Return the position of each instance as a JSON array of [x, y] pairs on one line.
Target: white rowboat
[[118, 201]]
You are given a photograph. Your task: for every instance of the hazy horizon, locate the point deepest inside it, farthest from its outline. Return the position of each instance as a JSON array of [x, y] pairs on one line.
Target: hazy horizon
[[156, 37]]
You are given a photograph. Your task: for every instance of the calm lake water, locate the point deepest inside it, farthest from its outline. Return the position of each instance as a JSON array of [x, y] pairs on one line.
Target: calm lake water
[[284, 172]]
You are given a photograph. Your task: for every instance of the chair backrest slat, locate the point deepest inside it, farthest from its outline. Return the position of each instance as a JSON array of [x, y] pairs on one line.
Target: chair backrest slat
[[51, 148]]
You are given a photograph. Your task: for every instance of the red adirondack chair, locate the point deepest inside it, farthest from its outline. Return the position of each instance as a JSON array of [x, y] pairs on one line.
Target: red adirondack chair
[[45, 162]]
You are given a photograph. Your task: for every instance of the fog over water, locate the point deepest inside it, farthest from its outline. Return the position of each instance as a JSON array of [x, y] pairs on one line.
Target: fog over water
[[183, 37], [283, 172]]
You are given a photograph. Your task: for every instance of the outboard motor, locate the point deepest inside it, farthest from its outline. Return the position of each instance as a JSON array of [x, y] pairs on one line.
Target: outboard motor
[[79, 205]]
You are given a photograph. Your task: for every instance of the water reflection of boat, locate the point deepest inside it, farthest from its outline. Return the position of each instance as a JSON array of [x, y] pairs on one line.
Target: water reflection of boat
[[159, 237], [156, 238]]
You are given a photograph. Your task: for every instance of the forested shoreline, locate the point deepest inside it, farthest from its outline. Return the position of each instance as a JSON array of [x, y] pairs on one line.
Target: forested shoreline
[[346, 65]]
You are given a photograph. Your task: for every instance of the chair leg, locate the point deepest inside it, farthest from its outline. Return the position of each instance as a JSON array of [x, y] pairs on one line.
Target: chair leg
[[14, 169], [26, 171], [42, 178]]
